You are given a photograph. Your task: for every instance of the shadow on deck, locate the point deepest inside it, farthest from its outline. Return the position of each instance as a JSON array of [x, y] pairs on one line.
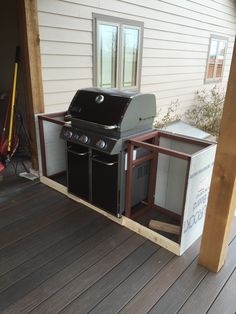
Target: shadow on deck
[[59, 256]]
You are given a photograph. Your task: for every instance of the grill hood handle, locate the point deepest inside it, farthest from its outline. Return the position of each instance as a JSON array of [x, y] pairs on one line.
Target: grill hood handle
[[98, 125]]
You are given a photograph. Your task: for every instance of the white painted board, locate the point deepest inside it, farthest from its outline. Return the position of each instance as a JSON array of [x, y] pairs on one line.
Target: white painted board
[[199, 180], [55, 148]]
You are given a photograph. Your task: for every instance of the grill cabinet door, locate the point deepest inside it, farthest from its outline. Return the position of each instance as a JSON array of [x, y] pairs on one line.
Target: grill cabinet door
[[105, 183], [78, 171]]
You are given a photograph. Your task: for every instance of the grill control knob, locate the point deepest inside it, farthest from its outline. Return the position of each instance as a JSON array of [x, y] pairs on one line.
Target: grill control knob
[[83, 139], [68, 134], [101, 144], [76, 137]]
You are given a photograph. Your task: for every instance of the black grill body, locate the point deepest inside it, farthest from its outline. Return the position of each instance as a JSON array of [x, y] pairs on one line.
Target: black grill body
[[99, 122]]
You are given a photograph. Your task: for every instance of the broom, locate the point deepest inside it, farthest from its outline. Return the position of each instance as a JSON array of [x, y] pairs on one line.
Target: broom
[[9, 146]]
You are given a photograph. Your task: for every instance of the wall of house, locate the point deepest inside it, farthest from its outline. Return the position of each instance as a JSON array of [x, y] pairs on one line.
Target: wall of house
[[175, 45]]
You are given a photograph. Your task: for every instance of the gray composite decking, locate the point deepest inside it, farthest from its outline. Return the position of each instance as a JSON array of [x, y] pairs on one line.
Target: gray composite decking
[[59, 256]]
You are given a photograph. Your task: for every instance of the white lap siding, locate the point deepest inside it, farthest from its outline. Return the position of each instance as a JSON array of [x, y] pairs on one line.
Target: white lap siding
[[175, 45]]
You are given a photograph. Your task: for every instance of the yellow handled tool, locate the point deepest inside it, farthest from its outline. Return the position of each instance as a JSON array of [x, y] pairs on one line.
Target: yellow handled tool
[[13, 99]]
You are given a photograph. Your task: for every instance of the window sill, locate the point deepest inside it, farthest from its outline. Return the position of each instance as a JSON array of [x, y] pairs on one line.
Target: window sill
[[212, 81]]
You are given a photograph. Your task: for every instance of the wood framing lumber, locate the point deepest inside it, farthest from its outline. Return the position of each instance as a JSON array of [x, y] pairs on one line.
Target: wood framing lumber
[[163, 226], [222, 196], [31, 64]]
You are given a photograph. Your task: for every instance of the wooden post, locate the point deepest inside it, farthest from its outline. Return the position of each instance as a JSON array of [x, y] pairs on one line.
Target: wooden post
[[29, 38], [222, 197]]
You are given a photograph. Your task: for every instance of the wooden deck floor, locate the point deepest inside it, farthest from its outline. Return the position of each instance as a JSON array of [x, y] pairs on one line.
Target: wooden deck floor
[[59, 256]]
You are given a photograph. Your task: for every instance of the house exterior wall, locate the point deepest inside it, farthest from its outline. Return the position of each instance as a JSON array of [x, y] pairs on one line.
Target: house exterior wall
[[175, 45]]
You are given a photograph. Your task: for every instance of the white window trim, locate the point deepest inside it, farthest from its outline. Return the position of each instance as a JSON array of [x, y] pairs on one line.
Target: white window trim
[[215, 79], [110, 20]]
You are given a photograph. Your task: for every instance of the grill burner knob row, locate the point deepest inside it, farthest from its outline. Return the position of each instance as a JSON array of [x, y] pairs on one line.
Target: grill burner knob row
[[101, 144], [84, 139]]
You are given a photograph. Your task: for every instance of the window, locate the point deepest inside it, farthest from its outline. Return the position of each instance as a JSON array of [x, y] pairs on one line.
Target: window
[[216, 56], [117, 52]]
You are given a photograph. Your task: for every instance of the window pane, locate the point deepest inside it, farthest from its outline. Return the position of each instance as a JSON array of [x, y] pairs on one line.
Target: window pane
[[210, 71], [220, 58], [212, 58], [130, 56], [213, 50], [108, 55]]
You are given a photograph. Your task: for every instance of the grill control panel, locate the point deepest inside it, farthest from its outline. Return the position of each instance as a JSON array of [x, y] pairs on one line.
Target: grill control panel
[[89, 139]]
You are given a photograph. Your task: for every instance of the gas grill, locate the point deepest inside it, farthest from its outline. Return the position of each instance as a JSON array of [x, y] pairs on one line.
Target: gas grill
[[99, 121]]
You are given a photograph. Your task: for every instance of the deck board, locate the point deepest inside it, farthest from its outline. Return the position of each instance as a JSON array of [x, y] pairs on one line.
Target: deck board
[[27, 207], [226, 300], [210, 286], [55, 210], [161, 282], [134, 283], [58, 255], [34, 288], [97, 292], [18, 265], [15, 186], [91, 275], [180, 290]]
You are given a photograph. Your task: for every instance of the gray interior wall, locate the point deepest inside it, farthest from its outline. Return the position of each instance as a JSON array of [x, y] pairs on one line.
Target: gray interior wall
[[55, 148], [171, 175]]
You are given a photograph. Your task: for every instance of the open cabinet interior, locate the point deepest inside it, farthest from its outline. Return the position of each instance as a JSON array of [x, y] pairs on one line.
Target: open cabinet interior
[[172, 172], [179, 181]]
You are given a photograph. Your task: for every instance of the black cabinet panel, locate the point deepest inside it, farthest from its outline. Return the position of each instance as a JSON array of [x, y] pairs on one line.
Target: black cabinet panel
[[78, 171], [105, 183]]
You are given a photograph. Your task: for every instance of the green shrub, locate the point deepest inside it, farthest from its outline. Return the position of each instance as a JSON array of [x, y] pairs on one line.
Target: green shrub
[[206, 113]]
